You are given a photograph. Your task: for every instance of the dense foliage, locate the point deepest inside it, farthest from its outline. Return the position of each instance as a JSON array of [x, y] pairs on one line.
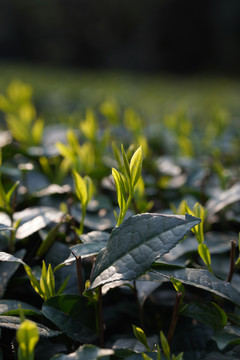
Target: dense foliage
[[118, 237]]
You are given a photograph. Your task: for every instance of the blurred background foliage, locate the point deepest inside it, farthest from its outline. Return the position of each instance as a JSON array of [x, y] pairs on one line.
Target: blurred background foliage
[[144, 35]]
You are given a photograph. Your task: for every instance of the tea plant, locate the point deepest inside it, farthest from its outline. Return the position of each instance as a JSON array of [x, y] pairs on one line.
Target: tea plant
[[86, 284]]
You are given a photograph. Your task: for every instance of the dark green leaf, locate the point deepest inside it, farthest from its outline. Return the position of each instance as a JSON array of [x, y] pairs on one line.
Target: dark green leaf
[[224, 339], [8, 265], [12, 322], [202, 279], [12, 307], [85, 352], [85, 250], [136, 243], [73, 315], [134, 344], [209, 314]]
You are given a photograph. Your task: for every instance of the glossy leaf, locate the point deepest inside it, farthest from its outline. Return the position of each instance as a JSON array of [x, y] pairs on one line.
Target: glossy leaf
[[85, 352], [73, 315], [202, 279], [34, 219], [12, 322], [135, 245]]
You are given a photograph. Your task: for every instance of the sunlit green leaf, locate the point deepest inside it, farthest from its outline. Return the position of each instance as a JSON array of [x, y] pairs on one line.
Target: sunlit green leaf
[[140, 335], [136, 166]]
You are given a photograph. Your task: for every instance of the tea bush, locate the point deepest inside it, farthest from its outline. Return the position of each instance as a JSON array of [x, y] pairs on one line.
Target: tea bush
[[118, 238]]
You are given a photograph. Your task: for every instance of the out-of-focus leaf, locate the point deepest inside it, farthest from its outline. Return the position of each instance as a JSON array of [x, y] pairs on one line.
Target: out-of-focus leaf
[[95, 237], [100, 221], [8, 265], [12, 322], [86, 352], [34, 219], [224, 339], [53, 189], [5, 227], [136, 243], [166, 166], [48, 241], [144, 289], [209, 314], [5, 138], [73, 315], [13, 307], [223, 199]]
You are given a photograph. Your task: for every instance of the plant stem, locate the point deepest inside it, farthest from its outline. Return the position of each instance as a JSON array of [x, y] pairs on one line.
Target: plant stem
[[82, 219], [232, 261], [174, 318], [100, 319], [79, 274]]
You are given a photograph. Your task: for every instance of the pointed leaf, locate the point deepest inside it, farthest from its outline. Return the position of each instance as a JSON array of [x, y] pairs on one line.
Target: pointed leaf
[[204, 254], [140, 335], [165, 345], [202, 279], [11, 191], [136, 166], [73, 315], [136, 243], [80, 188], [51, 280], [48, 240], [126, 163], [120, 188], [34, 282]]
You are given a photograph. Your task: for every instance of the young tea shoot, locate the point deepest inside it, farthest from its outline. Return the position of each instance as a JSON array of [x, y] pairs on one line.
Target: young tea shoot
[[126, 182]]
